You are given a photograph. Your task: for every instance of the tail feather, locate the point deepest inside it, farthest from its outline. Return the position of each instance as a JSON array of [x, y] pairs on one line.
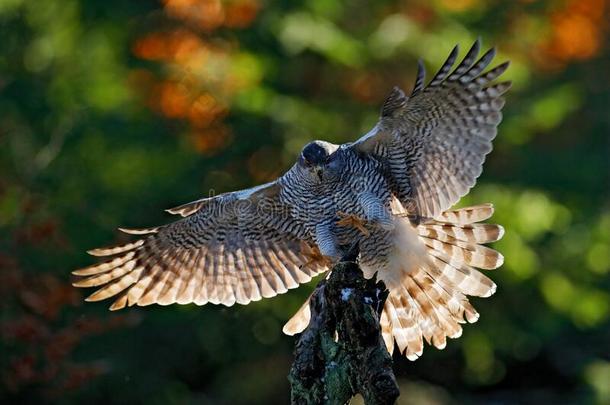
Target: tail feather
[[468, 215], [406, 328], [441, 302], [468, 253], [429, 322], [476, 233], [463, 277], [432, 299]]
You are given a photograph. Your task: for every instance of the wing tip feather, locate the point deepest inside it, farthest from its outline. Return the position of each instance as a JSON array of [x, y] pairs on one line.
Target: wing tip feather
[[138, 231], [97, 252]]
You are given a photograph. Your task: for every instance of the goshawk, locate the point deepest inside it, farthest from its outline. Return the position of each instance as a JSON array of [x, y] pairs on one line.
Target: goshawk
[[389, 191]]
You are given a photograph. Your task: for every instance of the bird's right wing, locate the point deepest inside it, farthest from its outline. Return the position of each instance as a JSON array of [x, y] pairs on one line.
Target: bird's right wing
[[433, 142], [235, 247]]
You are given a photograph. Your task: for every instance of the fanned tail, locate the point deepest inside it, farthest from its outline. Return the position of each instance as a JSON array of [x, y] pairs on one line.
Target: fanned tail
[[430, 303], [428, 296]]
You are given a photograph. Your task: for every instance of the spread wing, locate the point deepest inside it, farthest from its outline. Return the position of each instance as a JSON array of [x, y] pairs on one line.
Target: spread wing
[[433, 143], [235, 247]]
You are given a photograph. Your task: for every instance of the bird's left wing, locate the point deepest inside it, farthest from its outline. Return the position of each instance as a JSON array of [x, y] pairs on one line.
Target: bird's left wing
[[235, 247], [433, 142]]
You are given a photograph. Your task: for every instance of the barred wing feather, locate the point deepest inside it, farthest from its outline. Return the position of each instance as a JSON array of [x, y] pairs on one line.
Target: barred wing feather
[[233, 248], [433, 143]]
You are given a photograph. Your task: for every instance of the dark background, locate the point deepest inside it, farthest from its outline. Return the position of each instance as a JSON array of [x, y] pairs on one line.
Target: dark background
[[111, 111]]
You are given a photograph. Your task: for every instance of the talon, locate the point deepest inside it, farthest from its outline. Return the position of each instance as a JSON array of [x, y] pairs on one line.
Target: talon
[[353, 221], [314, 257]]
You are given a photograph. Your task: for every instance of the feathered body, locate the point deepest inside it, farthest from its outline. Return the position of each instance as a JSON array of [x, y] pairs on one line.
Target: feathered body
[[427, 267], [391, 192], [315, 201]]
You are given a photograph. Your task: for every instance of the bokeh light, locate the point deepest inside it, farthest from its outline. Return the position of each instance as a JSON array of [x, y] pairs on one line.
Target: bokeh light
[[112, 111]]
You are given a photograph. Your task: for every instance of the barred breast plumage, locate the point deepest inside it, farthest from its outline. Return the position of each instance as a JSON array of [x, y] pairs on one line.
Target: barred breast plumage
[[312, 202]]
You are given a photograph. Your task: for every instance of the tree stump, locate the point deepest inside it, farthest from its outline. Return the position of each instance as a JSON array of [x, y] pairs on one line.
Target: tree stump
[[342, 352]]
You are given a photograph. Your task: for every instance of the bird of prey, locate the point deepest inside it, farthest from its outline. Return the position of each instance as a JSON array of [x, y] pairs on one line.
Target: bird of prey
[[391, 191]]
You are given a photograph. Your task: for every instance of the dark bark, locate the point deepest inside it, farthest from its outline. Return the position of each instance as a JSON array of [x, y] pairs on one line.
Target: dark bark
[[345, 307]]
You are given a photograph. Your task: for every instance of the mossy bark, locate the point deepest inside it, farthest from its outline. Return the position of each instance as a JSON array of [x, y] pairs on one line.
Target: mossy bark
[[342, 352]]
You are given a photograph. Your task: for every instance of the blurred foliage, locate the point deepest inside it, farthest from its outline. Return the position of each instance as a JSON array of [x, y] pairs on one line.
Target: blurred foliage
[[112, 110]]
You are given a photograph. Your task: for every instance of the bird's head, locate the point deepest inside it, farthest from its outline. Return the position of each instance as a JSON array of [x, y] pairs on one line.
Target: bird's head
[[320, 160]]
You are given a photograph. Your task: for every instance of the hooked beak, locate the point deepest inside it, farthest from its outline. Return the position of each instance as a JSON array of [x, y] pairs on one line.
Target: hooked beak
[[318, 171]]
